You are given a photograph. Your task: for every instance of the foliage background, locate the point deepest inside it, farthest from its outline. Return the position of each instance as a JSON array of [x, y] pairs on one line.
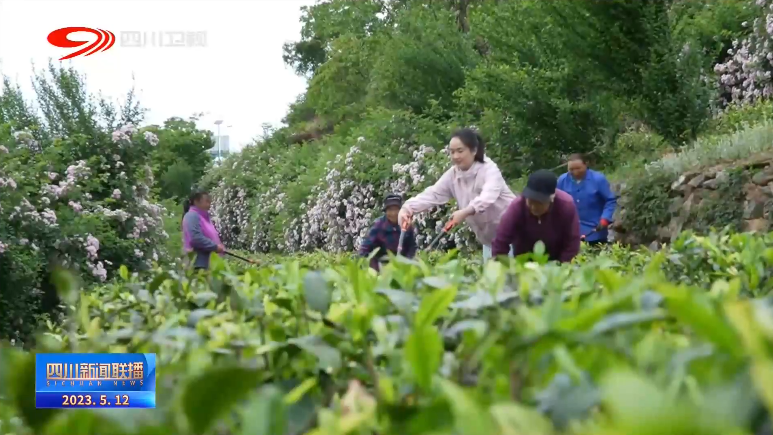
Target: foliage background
[[624, 82], [77, 182]]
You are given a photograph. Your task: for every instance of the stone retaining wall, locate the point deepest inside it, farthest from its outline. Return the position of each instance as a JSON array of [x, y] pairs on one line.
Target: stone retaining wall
[[692, 188]]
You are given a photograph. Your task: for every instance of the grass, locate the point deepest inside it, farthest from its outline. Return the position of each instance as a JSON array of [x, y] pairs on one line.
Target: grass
[[172, 226], [715, 149]]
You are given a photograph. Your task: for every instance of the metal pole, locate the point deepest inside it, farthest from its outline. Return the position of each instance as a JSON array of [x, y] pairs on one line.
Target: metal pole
[[217, 123]]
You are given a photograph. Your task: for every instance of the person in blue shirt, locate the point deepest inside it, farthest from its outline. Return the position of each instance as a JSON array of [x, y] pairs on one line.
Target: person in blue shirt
[[592, 196]]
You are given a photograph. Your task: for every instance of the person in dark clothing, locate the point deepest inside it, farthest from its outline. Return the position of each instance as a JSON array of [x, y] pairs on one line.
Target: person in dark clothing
[[593, 198], [384, 236], [541, 213]]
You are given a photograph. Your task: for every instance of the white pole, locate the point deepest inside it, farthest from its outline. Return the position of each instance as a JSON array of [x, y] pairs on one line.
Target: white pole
[[219, 156]]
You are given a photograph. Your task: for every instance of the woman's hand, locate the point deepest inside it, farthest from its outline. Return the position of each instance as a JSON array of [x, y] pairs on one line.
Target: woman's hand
[[405, 218], [458, 217], [220, 248]]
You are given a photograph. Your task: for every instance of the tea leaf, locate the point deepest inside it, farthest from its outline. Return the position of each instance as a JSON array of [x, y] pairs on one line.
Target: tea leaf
[[433, 306], [514, 419], [265, 414], [317, 292], [402, 300], [469, 417], [328, 357], [208, 396], [688, 308], [424, 353], [22, 391]]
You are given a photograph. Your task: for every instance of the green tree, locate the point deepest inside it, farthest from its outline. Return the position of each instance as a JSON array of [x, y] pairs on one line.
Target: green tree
[[177, 180], [633, 50], [69, 109], [180, 141], [324, 23], [15, 110], [424, 59], [713, 24]]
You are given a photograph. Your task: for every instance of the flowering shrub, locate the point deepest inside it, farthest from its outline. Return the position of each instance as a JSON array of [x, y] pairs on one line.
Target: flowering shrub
[[746, 76], [341, 210], [328, 196], [79, 201]]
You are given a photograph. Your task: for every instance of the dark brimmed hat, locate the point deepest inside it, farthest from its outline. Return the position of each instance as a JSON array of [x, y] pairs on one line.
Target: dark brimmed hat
[[393, 200], [540, 186]]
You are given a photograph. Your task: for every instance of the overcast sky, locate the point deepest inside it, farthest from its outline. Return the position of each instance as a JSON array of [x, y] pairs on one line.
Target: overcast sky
[[238, 76]]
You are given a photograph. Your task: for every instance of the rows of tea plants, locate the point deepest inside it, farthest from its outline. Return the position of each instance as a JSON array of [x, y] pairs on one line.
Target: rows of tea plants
[[620, 342]]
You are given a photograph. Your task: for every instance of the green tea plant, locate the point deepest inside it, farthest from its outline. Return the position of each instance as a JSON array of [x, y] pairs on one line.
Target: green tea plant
[[618, 342]]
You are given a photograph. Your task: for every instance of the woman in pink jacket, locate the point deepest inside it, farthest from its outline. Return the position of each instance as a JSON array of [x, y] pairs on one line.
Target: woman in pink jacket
[[477, 185]]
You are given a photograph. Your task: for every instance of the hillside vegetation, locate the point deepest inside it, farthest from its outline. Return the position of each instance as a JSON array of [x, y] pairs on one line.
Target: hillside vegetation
[[625, 82]]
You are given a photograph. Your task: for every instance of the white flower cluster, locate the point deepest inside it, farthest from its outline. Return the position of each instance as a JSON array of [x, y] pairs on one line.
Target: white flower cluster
[[151, 138], [267, 207], [123, 135], [25, 139], [338, 214], [746, 76], [230, 210], [92, 247], [7, 182], [121, 215], [75, 173], [27, 213], [143, 219], [148, 221]]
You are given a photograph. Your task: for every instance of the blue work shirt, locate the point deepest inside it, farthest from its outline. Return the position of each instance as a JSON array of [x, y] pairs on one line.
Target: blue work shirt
[[594, 201]]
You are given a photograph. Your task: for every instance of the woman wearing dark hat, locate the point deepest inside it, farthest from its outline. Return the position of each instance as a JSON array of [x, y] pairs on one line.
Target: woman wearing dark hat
[[541, 213], [384, 236]]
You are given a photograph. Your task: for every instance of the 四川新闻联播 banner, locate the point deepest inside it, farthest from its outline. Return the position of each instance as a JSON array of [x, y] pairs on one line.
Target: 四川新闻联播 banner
[[95, 380]]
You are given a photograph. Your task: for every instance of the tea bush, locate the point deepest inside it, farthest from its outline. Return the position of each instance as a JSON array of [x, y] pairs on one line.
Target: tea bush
[[620, 342]]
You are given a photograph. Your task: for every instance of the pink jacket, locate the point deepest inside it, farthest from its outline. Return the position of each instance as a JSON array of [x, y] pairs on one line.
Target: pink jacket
[[481, 188]]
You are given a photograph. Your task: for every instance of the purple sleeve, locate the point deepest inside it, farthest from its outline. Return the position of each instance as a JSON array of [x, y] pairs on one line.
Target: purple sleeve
[[572, 240], [506, 231]]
